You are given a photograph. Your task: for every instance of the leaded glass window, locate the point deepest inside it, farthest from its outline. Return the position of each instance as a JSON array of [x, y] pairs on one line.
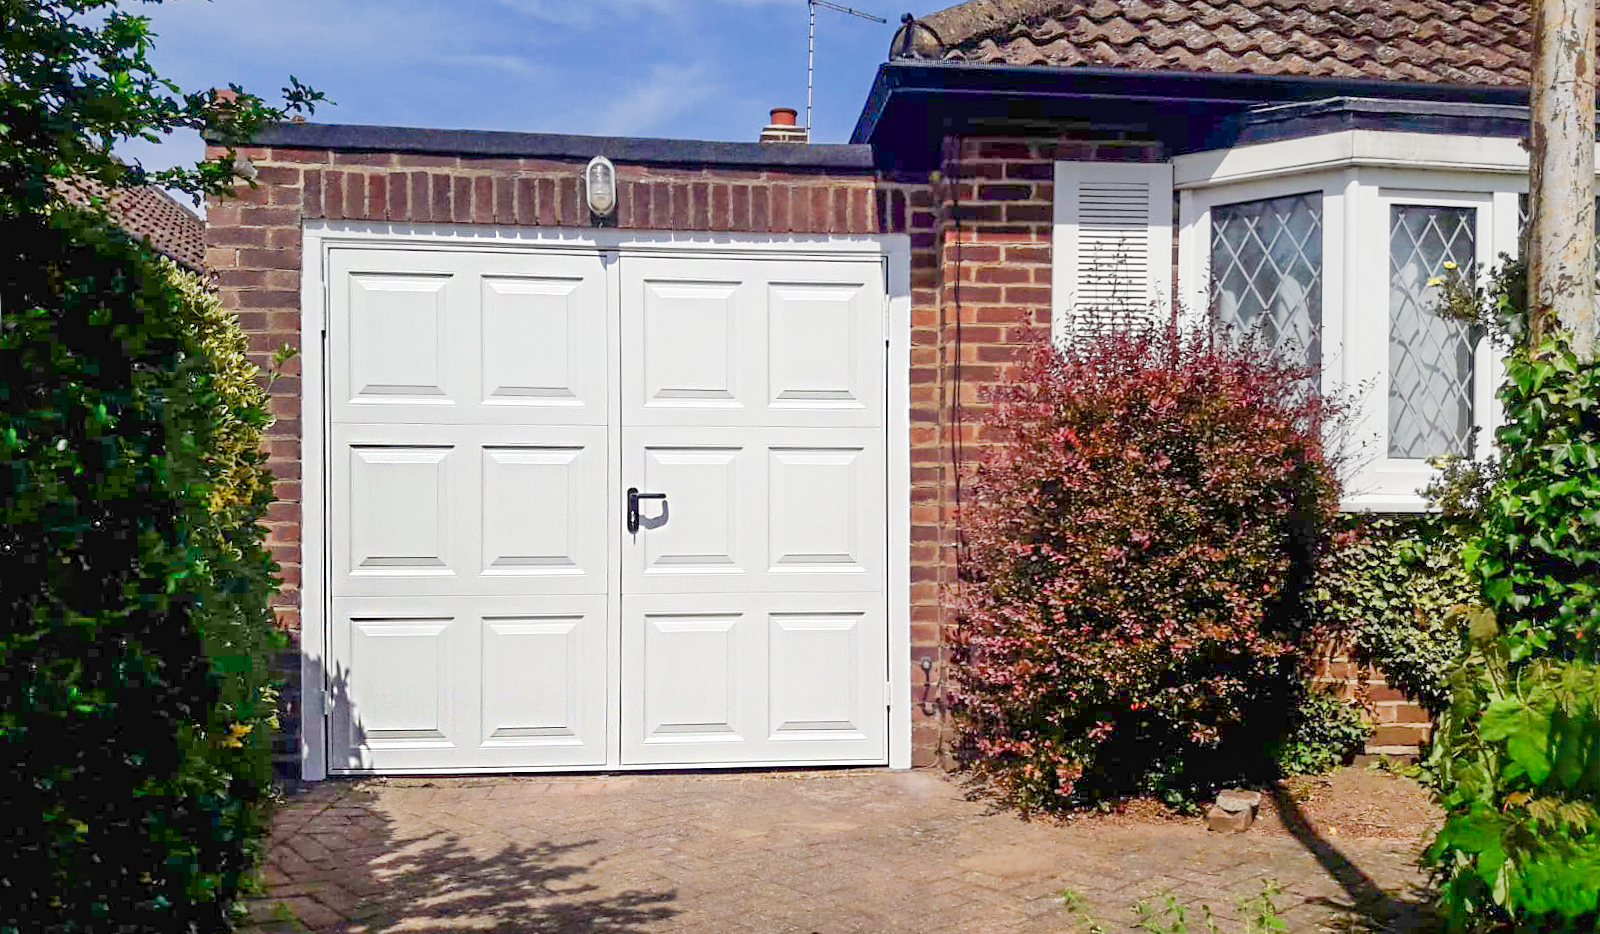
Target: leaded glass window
[[1430, 357], [1266, 270]]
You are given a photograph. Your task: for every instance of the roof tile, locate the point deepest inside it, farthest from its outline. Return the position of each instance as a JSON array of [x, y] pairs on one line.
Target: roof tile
[[1484, 42]]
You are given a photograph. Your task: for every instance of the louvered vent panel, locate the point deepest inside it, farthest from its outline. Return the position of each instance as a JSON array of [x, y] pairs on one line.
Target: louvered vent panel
[[1113, 253]]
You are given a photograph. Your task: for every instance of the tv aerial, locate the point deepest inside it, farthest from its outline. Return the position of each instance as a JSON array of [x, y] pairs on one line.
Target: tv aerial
[[811, 44]]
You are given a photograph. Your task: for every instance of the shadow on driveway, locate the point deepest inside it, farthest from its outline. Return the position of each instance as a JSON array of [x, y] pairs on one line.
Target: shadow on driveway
[[1371, 908], [338, 864]]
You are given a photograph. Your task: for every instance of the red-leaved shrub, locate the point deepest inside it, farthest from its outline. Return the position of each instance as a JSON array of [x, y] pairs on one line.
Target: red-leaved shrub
[[1135, 553]]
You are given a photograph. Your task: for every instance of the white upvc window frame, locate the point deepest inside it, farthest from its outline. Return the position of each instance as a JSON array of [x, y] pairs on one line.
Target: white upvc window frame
[[1381, 482], [1194, 249], [1361, 174]]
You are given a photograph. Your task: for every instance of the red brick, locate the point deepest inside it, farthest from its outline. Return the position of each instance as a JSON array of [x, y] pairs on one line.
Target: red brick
[[460, 200], [574, 210], [355, 195], [721, 207], [439, 208], [547, 203], [780, 222], [333, 194], [377, 197], [740, 208], [700, 206], [760, 221], [681, 214], [420, 201], [483, 200], [236, 236], [398, 196], [419, 161], [363, 158], [527, 213], [660, 205], [820, 220], [270, 259]]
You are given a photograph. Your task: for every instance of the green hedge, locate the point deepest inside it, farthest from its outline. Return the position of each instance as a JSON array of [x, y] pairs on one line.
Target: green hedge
[[135, 699], [1388, 589]]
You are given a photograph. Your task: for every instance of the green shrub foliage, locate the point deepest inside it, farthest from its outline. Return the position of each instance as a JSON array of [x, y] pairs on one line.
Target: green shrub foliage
[[1323, 733], [1138, 549], [1516, 759], [135, 704], [1516, 762], [1387, 590]]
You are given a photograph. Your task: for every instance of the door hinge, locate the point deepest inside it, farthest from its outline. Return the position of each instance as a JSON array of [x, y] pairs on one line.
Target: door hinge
[[888, 693], [327, 703]]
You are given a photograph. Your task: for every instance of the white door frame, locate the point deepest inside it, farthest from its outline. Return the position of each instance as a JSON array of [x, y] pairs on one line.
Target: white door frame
[[320, 236]]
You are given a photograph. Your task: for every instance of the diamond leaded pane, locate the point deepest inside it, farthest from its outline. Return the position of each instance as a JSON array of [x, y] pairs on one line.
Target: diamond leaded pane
[[1266, 271], [1430, 357]]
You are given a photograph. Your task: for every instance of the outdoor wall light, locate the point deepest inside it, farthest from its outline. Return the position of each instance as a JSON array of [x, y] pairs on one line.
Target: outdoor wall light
[[600, 181]]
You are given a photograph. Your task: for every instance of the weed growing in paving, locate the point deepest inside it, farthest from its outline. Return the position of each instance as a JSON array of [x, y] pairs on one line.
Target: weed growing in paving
[[1259, 913]]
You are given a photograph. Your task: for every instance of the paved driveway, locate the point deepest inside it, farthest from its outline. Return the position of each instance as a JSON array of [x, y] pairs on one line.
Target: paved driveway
[[824, 852]]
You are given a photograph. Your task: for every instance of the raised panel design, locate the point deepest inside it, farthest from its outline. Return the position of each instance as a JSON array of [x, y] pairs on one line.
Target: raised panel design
[[813, 509], [532, 510], [398, 339], [814, 346], [399, 516], [531, 674], [690, 348], [691, 677], [399, 682], [814, 671], [533, 342], [696, 528]]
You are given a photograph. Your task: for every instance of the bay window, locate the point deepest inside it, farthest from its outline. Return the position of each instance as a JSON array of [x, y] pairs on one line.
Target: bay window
[[1333, 247]]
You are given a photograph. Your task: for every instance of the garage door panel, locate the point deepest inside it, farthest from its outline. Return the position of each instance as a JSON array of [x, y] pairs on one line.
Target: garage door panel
[[756, 510], [400, 334], [819, 683], [543, 345], [689, 349], [437, 337], [400, 516], [468, 683], [450, 509], [697, 529], [816, 499], [544, 691], [691, 688], [814, 347], [392, 683], [744, 342], [543, 512], [740, 678]]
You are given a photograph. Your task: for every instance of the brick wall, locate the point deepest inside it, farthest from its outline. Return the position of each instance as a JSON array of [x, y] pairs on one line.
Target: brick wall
[[253, 251], [987, 228], [980, 287]]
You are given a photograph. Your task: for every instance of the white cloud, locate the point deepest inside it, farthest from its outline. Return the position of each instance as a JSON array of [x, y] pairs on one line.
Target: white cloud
[[667, 92], [515, 65]]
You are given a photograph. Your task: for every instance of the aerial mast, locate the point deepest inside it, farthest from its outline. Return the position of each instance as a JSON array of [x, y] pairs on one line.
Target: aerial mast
[[811, 44]]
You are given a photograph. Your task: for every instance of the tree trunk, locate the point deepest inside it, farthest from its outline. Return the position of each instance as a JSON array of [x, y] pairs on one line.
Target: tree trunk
[[1561, 264]]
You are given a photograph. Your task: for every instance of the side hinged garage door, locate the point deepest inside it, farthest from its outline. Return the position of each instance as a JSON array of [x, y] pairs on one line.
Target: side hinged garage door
[[495, 602]]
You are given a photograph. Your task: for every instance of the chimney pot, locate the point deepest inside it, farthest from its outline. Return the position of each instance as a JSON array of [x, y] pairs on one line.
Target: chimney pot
[[784, 116]]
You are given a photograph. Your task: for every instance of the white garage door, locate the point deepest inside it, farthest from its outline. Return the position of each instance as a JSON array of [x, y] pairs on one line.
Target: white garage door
[[491, 607]]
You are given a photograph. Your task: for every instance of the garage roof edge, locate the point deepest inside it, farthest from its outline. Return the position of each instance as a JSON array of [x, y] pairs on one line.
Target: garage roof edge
[[496, 143]]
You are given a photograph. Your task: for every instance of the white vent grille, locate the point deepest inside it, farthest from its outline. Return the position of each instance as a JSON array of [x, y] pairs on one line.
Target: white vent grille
[[1113, 255]]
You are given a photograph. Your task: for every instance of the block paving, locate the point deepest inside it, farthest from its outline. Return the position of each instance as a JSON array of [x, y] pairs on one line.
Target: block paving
[[820, 852]]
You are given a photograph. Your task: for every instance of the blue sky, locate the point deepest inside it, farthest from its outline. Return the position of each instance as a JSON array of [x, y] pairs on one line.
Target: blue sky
[[697, 69]]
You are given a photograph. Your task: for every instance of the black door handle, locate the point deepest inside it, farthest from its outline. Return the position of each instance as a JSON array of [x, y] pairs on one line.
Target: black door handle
[[633, 506]]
